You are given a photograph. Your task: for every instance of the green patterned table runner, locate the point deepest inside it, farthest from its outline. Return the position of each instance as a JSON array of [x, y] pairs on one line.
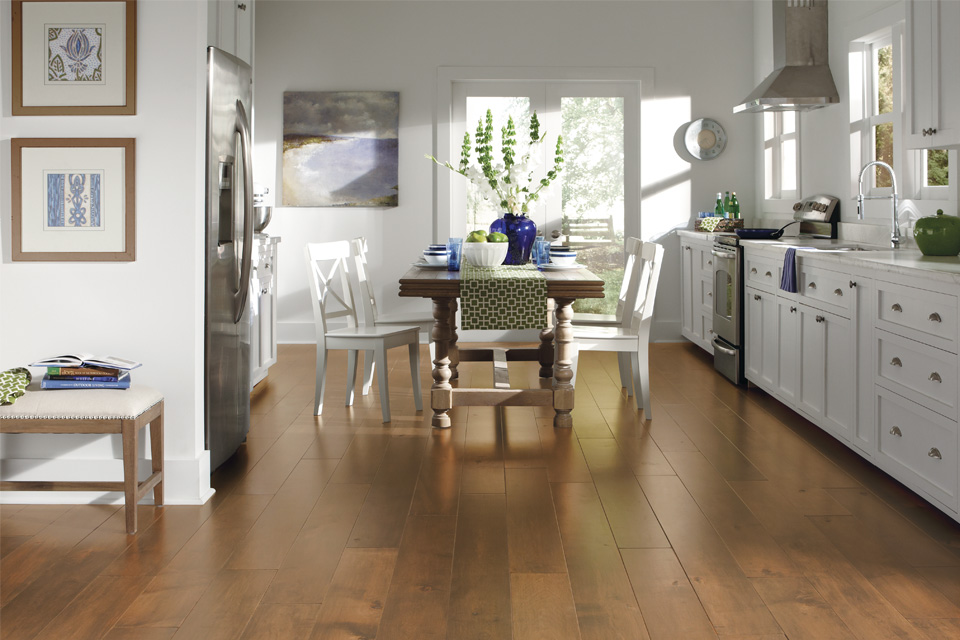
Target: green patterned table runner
[[502, 298], [13, 384]]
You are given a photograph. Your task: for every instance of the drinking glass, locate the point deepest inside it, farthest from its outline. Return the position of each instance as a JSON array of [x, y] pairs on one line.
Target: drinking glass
[[541, 248], [455, 252]]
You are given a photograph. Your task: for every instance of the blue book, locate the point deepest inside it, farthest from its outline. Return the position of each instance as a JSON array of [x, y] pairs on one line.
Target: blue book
[[48, 383]]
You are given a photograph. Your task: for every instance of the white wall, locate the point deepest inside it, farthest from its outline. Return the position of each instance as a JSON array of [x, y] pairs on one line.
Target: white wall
[[700, 53], [150, 310]]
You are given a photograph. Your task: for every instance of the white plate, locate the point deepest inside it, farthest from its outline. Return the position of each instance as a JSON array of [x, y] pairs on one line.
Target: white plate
[[562, 267], [427, 265]]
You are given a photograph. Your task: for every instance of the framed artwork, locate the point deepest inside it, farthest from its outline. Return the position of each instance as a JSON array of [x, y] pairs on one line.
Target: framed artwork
[[72, 57], [73, 199], [340, 148]]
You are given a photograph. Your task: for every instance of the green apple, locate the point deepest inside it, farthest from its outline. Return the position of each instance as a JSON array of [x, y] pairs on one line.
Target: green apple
[[496, 237], [477, 236]]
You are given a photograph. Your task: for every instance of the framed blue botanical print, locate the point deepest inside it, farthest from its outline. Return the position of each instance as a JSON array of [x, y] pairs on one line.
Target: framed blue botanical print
[[73, 199], [73, 57]]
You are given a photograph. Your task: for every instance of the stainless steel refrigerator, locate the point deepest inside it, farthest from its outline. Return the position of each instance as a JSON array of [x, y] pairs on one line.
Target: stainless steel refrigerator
[[229, 243]]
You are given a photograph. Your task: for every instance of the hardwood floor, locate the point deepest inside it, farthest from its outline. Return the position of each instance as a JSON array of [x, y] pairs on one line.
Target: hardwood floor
[[726, 517]]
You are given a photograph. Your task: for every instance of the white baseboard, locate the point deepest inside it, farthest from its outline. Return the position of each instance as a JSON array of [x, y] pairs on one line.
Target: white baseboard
[[185, 481]]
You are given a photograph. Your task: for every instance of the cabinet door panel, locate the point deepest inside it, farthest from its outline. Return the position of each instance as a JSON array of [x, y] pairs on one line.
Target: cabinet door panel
[[687, 284], [812, 363], [840, 396], [788, 363]]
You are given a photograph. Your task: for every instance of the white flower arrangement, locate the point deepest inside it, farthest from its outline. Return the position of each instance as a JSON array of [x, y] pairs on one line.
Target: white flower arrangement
[[509, 183]]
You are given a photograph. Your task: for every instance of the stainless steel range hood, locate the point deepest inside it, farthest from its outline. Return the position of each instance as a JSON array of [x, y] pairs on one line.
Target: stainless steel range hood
[[801, 80]]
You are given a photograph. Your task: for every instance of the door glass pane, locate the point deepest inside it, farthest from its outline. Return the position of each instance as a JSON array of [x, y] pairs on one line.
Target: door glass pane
[[788, 174], [937, 168], [883, 144], [481, 212], [592, 191]]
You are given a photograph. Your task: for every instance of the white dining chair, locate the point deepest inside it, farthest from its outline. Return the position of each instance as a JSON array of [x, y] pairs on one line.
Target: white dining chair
[[632, 339], [332, 294], [369, 314], [629, 287]]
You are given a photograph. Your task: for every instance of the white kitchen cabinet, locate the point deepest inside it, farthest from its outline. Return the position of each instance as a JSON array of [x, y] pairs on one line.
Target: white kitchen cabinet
[[263, 301], [762, 338], [827, 378], [932, 52], [696, 290], [788, 352], [231, 27]]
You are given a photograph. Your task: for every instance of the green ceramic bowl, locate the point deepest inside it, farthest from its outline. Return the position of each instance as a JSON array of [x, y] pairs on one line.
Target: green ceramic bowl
[[938, 235]]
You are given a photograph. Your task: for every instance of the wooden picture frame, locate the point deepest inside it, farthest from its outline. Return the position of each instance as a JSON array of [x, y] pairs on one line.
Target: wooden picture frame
[[73, 199], [74, 57]]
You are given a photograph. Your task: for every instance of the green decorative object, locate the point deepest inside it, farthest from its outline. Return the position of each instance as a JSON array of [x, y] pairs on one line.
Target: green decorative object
[[505, 297], [938, 235]]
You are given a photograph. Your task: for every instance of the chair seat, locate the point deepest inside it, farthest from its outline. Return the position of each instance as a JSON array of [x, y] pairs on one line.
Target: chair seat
[[377, 331]]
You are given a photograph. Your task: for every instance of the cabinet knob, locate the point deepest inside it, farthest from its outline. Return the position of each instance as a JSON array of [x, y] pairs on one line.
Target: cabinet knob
[[895, 431], [793, 309], [686, 248], [853, 284], [935, 317], [935, 377], [935, 453], [263, 291], [753, 270], [241, 6], [929, 132], [896, 362], [756, 297], [820, 319], [812, 285], [896, 307], [838, 292]]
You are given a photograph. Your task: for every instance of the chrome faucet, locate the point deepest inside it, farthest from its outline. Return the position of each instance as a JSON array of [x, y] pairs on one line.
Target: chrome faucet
[[895, 236]]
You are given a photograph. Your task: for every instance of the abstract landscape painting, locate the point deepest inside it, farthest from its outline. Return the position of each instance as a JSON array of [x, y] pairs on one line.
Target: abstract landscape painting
[[340, 148]]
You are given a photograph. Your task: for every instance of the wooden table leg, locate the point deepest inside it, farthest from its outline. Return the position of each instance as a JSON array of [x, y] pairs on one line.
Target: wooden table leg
[[546, 343], [453, 351], [128, 436], [441, 393], [563, 371]]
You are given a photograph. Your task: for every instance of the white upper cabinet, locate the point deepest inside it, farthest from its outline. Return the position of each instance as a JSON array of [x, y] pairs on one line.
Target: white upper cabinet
[[932, 78], [231, 29]]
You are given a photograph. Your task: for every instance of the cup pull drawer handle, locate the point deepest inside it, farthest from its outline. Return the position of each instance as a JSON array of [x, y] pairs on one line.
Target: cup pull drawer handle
[[935, 453], [935, 317], [895, 431], [753, 270], [896, 362], [838, 292], [709, 263], [896, 307], [935, 377], [768, 274], [709, 294], [812, 285]]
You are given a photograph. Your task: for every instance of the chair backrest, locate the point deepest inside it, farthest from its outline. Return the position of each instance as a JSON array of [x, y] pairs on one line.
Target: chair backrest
[[366, 303], [648, 270], [631, 282], [328, 263]]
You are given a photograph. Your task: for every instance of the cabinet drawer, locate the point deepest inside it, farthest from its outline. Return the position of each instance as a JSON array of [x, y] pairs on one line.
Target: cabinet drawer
[[705, 261], [917, 371], [762, 273], [823, 288], [706, 295], [918, 446], [927, 316], [705, 324]]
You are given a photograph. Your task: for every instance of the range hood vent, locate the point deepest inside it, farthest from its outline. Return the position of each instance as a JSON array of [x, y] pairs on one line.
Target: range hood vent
[[802, 80]]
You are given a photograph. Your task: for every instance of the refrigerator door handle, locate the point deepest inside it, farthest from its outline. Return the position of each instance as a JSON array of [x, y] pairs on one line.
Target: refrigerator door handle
[[240, 297]]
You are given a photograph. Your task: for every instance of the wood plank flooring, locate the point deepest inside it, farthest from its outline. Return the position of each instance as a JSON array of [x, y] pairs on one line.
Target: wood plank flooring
[[727, 516]]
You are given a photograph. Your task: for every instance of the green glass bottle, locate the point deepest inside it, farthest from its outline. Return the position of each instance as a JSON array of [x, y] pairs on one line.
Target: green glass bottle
[[734, 206], [726, 205], [718, 210]]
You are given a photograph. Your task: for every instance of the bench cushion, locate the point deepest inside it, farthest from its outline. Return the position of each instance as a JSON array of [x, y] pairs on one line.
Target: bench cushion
[[81, 404]]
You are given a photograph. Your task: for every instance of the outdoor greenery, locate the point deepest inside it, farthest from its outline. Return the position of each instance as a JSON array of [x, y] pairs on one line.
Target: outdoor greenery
[[593, 134]]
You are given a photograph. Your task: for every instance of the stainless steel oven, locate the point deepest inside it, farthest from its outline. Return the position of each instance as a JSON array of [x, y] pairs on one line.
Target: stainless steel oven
[[728, 307]]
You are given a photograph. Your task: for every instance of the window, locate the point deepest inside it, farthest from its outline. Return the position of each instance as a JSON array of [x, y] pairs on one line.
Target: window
[[878, 120], [781, 155]]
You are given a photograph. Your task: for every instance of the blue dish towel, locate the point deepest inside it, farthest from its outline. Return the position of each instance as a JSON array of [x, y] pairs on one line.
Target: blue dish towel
[[788, 281]]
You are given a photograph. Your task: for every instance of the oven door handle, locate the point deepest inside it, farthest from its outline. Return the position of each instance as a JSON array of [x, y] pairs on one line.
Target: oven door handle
[[722, 349], [726, 255]]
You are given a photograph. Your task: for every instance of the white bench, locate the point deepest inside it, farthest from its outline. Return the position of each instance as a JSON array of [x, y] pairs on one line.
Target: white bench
[[123, 411]]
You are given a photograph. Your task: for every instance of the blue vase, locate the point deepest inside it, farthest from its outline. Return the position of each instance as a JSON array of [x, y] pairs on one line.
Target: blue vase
[[521, 231]]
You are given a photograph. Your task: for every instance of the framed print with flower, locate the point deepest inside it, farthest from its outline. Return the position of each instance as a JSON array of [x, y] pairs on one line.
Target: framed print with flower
[[73, 57], [73, 199]]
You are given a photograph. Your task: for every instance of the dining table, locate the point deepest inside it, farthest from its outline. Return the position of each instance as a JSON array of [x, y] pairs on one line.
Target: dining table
[[555, 352]]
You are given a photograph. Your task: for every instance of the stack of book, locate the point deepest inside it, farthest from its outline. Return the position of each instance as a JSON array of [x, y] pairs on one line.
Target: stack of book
[[84, 371]]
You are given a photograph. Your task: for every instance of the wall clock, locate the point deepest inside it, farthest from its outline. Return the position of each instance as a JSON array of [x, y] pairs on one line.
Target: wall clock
[[705, 139]]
